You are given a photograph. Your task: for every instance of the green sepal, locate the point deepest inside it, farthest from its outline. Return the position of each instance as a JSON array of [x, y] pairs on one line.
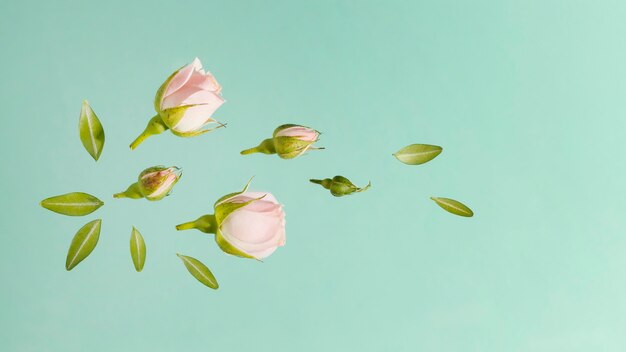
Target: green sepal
[[223, 210], [285, 126], [229, 248], [195, 133], [172, 116], [159, 94], [230, 195], [290, 147]]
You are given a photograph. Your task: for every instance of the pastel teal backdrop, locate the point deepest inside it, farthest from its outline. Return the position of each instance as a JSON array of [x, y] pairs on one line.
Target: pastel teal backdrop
[[525, 97]]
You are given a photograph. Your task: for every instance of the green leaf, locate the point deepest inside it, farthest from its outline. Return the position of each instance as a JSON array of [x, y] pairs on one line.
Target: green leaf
[[416, 154], [91, 131], [83, 243], [453, 206], [199, 271], [137, 249], [72, 204]]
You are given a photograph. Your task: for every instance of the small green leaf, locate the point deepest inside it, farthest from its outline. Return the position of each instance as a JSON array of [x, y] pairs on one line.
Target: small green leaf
[[137, 249], [72, 204], [199, 271], [416, 154], [83, 243], [91, 131], [453, 206]]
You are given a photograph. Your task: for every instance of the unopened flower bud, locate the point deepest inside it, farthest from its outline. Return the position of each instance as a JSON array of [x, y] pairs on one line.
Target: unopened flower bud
[[288, 141], [340, 186], [154, 183]]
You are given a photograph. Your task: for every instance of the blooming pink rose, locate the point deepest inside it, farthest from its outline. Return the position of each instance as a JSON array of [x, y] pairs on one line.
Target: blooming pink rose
[[190, 86], [256, 229], [184, 103]]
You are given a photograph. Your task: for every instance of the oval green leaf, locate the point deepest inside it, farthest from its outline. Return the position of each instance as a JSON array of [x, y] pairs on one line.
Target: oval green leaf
[[83, 243], [137, 249], [199, 271], [453, 206], [72, 204], [91, 131], [416, 154]]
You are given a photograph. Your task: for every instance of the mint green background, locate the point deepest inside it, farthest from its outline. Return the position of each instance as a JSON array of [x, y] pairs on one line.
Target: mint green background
[[526, 98]]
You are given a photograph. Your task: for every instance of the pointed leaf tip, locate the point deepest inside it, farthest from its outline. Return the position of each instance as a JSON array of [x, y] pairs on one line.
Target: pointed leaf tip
[[416, 154], [83, 243], [199, 271], [90, 131], [72, 204], [453, 206], [137, 249]]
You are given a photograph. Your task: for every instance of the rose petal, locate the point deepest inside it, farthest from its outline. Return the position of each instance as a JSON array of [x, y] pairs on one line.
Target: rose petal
[[187, 96], [182, 77], [197, 116], [302, 133], [252, 228], [204, 81]]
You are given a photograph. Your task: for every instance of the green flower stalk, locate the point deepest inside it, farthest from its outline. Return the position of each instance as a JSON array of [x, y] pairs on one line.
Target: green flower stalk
[[245, 224], [154, 183], [288, 141], [184, 104], [340, 186]]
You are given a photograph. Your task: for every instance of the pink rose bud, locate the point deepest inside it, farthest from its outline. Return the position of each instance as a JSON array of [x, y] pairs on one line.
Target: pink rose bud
[[185, 103], [154, 183], [245, 224], [288, 141]]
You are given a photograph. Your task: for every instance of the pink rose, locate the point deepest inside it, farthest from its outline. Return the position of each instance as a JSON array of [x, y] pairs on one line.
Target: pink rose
[[245, 224], [257, 228], [185, 103], [190, 86]]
